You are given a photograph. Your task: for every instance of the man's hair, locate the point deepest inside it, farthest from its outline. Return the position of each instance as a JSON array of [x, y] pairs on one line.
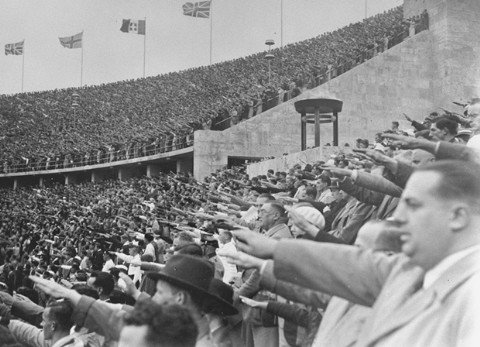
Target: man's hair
[[267, 196], [396, 123], [104, 280], [61, 312], [326, 179], [448, 123], [149, 237], [168, 325], [278, 208], [460, 180]]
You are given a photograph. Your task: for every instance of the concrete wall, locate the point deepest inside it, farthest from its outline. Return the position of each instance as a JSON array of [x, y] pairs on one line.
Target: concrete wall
[[273, 133], [286, 162], [374, 94]]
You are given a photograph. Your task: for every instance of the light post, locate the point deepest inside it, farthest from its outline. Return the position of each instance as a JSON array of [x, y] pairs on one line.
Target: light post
[[269, 57], [75, 104]]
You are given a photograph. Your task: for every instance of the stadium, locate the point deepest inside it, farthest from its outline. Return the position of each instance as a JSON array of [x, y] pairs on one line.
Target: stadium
[[142, 169]]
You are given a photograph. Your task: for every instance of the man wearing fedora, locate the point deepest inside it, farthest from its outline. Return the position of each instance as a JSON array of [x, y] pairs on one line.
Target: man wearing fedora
[[184, 281]]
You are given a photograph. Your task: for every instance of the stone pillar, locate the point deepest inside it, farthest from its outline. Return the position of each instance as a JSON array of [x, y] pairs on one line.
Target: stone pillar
[[184, 165], [70, 179], [41, 182], [153, 170], [454, 25], [97, 176], [15, 183], [125, 173]]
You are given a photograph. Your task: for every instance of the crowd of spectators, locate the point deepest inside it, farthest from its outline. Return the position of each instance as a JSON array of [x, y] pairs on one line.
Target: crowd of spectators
[[135, 118], [375, 247]]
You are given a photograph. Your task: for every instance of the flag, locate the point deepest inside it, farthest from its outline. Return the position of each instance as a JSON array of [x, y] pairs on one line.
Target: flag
[[133, 26], [197, 9], [14, 48], [74, 41]]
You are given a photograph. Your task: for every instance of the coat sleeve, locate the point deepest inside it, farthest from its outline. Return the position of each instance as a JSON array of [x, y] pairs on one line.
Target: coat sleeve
[[362, 194], [27, 334], [447, 150], [345, 271], [292, 312], [100, 317], [291, 291], [378, 184], [404, 171]]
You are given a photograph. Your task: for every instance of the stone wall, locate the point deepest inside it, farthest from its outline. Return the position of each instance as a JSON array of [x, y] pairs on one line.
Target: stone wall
[[284, 163], [374, 94]]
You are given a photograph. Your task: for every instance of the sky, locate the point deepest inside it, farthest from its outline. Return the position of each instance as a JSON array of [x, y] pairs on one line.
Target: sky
[[173, 41]]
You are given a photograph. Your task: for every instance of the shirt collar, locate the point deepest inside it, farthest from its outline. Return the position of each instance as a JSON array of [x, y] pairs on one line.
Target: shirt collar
[[438, 270]]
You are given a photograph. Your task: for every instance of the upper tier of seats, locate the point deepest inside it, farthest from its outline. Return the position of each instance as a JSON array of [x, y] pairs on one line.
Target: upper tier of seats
[[161, 112]]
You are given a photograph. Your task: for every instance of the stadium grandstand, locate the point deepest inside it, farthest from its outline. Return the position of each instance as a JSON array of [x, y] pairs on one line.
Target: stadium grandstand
[[111, 237], [148, 116]]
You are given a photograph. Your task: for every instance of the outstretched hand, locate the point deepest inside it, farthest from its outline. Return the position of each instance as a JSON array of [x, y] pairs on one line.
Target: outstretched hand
[[130, 288], [406, 142], [241, 259], [254, 303], [56, 290], [254, 243]]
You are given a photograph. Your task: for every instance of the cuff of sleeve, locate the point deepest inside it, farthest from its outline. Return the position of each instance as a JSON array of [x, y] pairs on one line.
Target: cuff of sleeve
[[437, 147], [354, 176], [268, 280]]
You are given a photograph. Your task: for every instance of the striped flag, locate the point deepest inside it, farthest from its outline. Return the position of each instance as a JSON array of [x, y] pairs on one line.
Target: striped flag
[[133, 26], [197, 9], [74, 41], [14, 48]]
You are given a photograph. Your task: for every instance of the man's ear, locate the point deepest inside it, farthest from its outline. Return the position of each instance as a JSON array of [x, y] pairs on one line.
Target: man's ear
[[181, 297], [459, 217]]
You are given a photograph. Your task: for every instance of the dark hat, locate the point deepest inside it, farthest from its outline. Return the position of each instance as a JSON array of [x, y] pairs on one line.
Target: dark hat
[[220, 299], [186, 272]]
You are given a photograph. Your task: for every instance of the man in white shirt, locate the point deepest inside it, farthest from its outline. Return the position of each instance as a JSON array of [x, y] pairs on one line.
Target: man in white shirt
[[107, 258], [225, 242], [133, 258]]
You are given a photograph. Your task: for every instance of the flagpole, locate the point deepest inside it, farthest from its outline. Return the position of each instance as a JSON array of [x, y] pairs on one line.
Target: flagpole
[[81, 63], [23, 62], [144, 46], [211, 30], [281, 24]]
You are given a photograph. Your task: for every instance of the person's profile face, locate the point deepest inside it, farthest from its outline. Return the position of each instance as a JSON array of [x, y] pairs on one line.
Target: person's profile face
[[164, 294], [435, 133], [267, 216], [423, 219]]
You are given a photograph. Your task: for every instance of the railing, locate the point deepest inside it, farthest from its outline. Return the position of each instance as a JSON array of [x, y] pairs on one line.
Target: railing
[[102, 156]]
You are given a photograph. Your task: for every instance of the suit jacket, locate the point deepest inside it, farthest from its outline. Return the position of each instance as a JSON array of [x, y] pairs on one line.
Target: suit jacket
[[385, 203], [403, 314], [349, 221]]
